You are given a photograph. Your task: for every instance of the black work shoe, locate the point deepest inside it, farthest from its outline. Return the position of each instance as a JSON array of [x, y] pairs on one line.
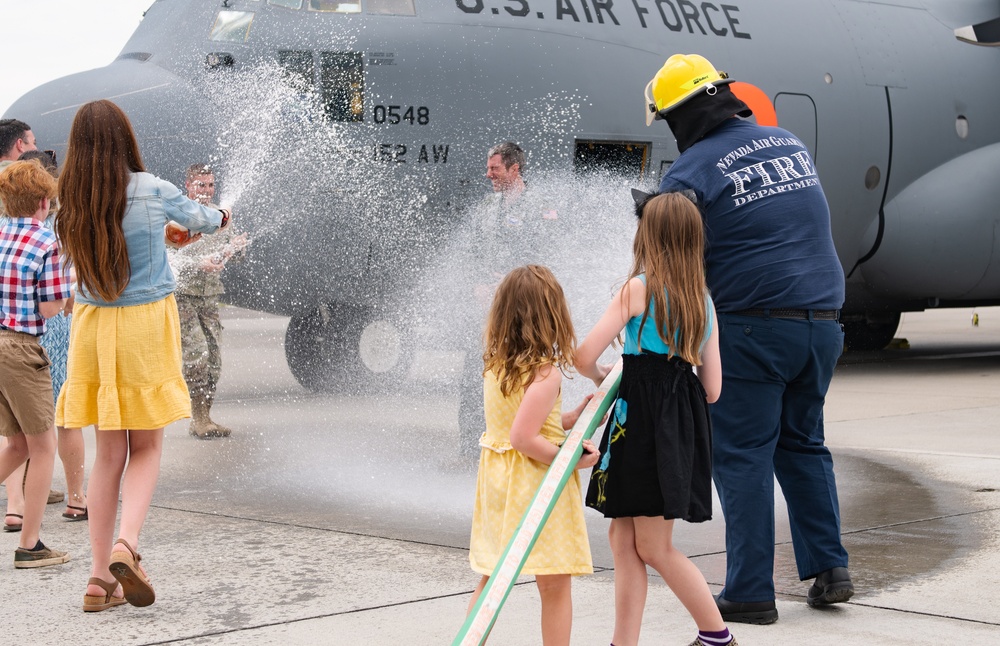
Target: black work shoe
[[749, 612], [831, 586]]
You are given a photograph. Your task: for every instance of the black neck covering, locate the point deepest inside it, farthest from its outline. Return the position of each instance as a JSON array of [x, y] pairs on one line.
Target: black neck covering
[[701, 114]]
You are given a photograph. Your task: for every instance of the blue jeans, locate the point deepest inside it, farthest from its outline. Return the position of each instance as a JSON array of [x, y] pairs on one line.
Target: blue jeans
[[769, 423]]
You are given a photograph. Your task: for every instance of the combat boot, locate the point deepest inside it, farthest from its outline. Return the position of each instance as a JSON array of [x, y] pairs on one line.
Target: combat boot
[[218, 429], [201, 426]]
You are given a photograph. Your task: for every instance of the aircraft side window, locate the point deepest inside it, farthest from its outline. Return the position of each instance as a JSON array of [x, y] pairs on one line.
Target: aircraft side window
[[289, 4], [620, 157], [335, 7], [391, 7], [342, 85], [231, 26], [298, 66]]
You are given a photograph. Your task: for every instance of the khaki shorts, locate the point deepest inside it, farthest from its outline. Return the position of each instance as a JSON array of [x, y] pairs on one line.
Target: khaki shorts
[[25, 386]]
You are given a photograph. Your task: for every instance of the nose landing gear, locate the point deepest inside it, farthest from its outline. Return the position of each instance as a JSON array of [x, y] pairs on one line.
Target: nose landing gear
[[340, 347], [870, 332]]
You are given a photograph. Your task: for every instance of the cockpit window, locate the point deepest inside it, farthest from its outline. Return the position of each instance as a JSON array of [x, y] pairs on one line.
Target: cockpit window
[[291, 4], [391, 7], [231, 26], [336, 7]]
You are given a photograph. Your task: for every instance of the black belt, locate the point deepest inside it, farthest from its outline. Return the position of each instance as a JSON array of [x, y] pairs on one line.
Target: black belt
[[785, 313]]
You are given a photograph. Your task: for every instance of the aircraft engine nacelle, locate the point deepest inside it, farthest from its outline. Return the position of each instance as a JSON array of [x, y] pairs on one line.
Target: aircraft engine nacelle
[[936, 243]]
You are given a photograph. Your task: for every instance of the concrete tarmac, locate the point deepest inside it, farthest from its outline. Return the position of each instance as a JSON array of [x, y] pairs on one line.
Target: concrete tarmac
[[344, 519]]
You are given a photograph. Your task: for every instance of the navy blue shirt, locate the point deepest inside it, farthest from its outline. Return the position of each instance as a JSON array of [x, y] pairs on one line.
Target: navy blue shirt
[[767, 222]]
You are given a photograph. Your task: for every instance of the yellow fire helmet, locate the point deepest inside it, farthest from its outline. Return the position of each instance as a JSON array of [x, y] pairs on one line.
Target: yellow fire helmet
[[681, 77]]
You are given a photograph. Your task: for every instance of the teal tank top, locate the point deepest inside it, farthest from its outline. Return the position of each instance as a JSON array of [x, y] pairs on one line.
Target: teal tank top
[[651, 341]]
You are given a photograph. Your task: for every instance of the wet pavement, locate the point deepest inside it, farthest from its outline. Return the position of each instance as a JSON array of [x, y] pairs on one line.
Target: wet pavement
[[344, 519]]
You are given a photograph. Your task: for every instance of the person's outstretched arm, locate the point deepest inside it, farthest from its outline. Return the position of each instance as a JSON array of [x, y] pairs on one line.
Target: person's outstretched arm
[[628, 302]]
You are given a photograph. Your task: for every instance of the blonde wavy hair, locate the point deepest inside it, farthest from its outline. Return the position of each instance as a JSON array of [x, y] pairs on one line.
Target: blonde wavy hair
[[528, 327], [669, 247]]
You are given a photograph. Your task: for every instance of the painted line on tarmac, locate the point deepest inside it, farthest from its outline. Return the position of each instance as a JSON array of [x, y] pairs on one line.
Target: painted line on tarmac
[[957, 355], [946, 454], [903, 523], [922, 613], [345, 532]]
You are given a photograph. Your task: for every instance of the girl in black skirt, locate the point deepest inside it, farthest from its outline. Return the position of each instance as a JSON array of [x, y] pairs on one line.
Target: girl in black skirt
[[657, 448]]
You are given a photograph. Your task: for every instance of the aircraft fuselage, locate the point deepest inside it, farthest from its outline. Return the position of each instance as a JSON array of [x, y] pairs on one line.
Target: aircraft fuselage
[[899, 115]]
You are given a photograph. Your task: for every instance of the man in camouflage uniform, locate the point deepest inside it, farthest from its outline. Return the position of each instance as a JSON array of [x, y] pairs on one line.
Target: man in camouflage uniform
[[198, 268]]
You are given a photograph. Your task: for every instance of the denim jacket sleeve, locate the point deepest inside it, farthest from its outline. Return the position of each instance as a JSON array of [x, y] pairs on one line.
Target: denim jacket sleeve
[[188, 213]]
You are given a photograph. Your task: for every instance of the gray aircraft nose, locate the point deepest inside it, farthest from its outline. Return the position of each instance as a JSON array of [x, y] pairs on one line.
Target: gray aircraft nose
[[163, 107]]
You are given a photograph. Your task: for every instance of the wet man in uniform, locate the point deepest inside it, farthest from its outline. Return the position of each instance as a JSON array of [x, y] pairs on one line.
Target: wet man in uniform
[[778, 286], [198, 268], [509, 229], [503, 168]]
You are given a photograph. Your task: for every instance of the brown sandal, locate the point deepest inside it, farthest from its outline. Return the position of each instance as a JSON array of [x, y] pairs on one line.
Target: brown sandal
[[109, 600], [125, 568], [12, 527]]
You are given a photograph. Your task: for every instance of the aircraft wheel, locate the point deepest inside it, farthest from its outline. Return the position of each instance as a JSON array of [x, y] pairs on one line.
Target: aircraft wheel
[[873, 332], [339, 347]]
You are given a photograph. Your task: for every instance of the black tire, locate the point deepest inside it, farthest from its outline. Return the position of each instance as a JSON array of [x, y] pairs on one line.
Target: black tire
[[324, 350], [872, 333], [320, 349]]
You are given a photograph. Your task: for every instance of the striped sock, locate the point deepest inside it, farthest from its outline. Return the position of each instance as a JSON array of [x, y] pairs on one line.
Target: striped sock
[[710, 638]]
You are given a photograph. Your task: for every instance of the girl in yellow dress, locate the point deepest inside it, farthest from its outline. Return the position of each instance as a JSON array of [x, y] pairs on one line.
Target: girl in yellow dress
[[124, 366], [529, 343]]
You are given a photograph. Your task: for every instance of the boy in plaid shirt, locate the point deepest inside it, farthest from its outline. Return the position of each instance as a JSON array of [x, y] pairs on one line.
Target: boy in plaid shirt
[[32, 289]]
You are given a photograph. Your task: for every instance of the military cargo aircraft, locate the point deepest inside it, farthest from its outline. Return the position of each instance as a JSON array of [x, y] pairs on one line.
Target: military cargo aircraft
[[895, 99]]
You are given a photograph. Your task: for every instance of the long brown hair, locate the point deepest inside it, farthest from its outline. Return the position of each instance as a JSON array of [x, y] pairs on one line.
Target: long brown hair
[[669, 248], [528, 327], [101, 156]]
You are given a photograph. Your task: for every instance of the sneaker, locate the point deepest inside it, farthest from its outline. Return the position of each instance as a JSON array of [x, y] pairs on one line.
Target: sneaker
[[25, 558], [698, 642], [55, 496], [830, 586]]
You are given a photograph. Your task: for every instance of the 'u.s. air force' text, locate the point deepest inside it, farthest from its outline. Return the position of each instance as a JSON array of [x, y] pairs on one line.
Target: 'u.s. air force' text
[[771, 176], [676, 15]]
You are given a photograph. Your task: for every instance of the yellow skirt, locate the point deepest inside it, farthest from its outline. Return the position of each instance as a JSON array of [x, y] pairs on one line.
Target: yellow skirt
[[124, 368]]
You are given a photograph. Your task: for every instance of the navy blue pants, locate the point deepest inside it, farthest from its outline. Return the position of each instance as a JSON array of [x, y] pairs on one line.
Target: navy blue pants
[[769, 423]]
